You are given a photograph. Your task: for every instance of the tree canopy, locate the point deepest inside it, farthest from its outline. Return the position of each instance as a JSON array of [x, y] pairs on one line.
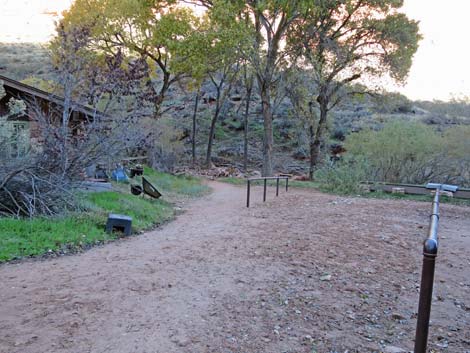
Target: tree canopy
[[344, 41], [338, 42], [154, 31]]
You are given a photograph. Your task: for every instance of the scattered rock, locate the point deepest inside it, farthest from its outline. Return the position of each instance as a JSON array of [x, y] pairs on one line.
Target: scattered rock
[[398, 316]]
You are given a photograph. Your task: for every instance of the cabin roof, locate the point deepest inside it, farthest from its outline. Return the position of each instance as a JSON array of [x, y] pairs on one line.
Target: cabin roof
[[36, 92]]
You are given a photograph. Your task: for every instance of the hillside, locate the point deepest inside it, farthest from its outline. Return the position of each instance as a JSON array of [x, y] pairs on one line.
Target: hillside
[[22, 60], [28, 61]]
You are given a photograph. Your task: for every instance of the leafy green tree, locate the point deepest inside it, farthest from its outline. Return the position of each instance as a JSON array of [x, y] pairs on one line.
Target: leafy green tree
[[269, 21], [154, 31], [344, 41], [214, 53]]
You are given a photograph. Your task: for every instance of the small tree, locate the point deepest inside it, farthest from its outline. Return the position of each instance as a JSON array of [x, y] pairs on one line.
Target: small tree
[[214, 54], [42, 183], [298, 90], [248, 81]]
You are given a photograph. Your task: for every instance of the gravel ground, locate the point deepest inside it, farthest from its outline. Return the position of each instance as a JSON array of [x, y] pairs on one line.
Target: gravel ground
[[305, 272]]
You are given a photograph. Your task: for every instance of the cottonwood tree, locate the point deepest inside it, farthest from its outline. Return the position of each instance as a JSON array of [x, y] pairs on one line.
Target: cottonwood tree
[[272, 20], [345, 41], [155, 31], [269, 22]]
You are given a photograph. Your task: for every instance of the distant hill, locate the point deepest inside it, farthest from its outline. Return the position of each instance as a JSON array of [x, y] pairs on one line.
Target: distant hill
[[22, 60]]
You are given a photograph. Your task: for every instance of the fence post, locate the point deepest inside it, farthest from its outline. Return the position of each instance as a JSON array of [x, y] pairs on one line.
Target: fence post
[[287, 184], [427, 280], [425, 301], [277, 186], [264, 194], [248, 193]]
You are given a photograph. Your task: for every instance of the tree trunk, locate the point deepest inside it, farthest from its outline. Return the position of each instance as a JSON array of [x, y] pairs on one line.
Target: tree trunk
[[161, 94], [245, 126], [211, 138], [268, 131], [65, 121], [193, 140], [212, 129], [315, 147], [312, 160]]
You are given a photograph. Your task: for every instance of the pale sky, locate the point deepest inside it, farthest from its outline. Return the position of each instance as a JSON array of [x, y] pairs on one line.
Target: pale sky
[[441, 67]]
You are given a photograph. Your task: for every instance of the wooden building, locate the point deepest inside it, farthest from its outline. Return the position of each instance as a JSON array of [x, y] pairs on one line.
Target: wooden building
[[22, 131]]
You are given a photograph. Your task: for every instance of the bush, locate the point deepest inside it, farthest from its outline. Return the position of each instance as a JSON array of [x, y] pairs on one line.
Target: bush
[[457, 152], [164, 144], [343, 177], [410, 152]]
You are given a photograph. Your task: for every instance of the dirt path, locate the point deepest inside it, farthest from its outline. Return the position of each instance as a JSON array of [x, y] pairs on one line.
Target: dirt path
[[307, 272]]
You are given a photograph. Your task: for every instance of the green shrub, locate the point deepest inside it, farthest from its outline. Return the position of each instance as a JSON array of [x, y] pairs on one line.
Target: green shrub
[[411, 152], [457, 152], [406, 152], [343, 177]]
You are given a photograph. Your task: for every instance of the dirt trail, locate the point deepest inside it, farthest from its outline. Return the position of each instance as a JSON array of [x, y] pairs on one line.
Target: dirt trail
[[306, 272]]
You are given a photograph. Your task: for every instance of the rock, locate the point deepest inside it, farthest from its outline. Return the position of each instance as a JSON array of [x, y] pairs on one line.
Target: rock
[[325, 278], [398, 316], [392, 349]]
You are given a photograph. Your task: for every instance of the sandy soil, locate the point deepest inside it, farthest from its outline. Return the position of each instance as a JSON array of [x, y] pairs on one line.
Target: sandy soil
[[305, 272]]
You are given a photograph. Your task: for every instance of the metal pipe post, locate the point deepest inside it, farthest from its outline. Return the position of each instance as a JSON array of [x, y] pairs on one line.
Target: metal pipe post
[[248, 193], [425, 301], [264, 194], [277, 187], [287, 184], [427, 280]]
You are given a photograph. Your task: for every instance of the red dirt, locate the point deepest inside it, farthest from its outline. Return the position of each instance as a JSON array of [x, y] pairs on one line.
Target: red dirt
[[224, 278]]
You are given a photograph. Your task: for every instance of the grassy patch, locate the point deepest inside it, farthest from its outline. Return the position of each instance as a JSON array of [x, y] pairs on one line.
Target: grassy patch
[[425, 198], [144, 212], [25, 238], [304, 184], [181, 184], [22, 238]]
